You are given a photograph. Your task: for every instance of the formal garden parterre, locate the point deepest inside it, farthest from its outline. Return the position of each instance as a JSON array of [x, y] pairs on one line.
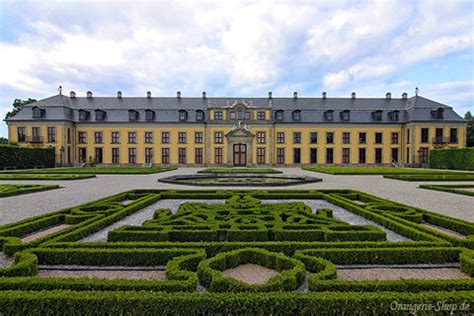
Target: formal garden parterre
[[17, 189], [196, 246]]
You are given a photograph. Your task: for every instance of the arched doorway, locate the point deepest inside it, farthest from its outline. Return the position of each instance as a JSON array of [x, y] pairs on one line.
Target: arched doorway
[[240, 155]]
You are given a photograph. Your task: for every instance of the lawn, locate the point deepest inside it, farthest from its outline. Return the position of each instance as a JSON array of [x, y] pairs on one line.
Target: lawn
[[465, 189], [17, 189], [95, 170], [431, 177], [239, 170], [45, 176], [379, 171]]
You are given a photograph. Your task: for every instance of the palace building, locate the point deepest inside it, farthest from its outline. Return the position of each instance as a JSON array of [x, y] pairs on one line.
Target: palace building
[[230, 131]]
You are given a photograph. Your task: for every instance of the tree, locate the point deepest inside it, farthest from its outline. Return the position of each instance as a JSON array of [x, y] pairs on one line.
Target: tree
[[17, 106], [470, 129], [3, 141]]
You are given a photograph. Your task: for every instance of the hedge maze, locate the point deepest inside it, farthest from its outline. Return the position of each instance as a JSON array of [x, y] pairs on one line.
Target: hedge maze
[[197, 244]]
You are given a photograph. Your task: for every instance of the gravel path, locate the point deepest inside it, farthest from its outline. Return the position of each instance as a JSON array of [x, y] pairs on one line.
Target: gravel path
[[345, 216], [44, 232], [251, 273], [5, 262], [400, 274], [73, 193], [104, 274], [444, 230]]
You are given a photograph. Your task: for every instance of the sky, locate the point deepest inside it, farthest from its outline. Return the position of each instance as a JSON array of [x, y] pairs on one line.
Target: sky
[[238, 48]]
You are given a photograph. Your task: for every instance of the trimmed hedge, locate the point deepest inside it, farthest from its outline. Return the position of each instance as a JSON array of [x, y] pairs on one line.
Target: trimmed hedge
[[452, 158], [433, 177], [25, 157], [458, 189], [17, 189]]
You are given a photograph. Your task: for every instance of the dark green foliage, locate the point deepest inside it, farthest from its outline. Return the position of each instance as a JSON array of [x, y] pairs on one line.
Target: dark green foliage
[[96, 170], [52, 177], [458, 189], [433, 177], [453, 158], [25, 158], [17, 105], [17, 189], [239, 170]]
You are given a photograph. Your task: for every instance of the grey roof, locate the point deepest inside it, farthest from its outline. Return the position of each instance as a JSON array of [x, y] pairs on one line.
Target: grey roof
[[61, 107]]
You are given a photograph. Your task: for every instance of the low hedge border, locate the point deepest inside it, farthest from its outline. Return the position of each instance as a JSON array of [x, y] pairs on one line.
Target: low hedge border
[[240, 170], [292, 271], [52, 177], [25, 264], [18, 189], [432, 177], [458, 189]]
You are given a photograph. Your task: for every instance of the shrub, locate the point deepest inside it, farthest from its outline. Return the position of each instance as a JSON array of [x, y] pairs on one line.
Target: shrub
[[26, 158], [453, 158]]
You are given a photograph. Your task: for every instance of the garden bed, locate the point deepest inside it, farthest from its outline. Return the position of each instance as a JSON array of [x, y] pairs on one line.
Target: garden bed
[[47, 177], [464, 189], [432, 177], [382, 171], [239, 170], [238, 180], [388, 273], [94, 170], [17, 189]]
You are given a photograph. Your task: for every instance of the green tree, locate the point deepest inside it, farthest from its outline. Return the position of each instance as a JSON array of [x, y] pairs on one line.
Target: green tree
[[470, 129], [3, 141], [18, 105]]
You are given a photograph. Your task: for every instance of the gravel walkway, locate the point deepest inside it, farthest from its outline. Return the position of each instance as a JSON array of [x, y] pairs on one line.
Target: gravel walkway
[[5, 262], [345, 216], [251, 273], [73, 193], [400, 274], [44, 232], [104, 274], [444, 230]]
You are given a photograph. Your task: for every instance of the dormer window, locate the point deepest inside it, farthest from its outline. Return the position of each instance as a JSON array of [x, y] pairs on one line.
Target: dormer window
[[218, 116], [149, 115], [279, 115], [83, 115], [346, 115], [394, 115], [438, 113], [297, 115], [329, 115], [37, 112], [200, 115], [183, 115], [132, 115], [377, 115], [99, 115]]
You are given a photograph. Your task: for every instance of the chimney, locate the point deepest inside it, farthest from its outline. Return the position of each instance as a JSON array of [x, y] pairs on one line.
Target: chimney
[[204, 95], [148, 94], [404, 95], [89, 94], [178, 94], [388, 96], [324, 95], [353, 95], [295, 95], [119, 94], [72, 94], [269, 94]]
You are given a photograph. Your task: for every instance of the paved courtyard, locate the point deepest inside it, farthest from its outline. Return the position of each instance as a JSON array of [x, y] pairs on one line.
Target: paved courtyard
[[77, 192]]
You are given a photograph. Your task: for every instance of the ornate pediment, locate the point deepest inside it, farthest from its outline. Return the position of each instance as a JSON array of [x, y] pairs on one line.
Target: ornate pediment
[[240, 130]]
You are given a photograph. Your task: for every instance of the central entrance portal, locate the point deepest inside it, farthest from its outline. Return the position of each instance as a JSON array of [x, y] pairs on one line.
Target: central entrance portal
[[240, 155]]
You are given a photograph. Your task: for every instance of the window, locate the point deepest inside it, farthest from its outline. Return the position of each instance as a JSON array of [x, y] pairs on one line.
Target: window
[[198, 137], [408, 136], [218, 116], [183, 115], [233, 115], [68, 134], [132, 115], [132, 137], [99, 157], [378, 138], [280, 137], [313, 137], [98, 137], [395, 154], [82, 137], [165, 137], [346, 155], [132, 155], [165, 155], [453, 135], [281, 156], [21, 134], [394, 138], [83, 115], [198, 154], [439, 136], [346, 115], [329, 155], [261, 155], [424, 154], [261, 116], [37, 112], [377, 115], [438, 113], [247, 115], [313, 155], [115, 137], [408, 155], [296, 155], [424, 135], [362, 155], [148, 137], [363, 138], [36, 132], [99, 115], [260, 137], [297, 115], [329, 115], [149, 115], [115, 155], [296, 137], [148, 155], [218, 137], [51, 134], [182, 155], [394, 115], [200, 115], [82, 154], [182, 138], [346, 138], [218, 157], [279, 115], [329, 138], [378, 155]]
